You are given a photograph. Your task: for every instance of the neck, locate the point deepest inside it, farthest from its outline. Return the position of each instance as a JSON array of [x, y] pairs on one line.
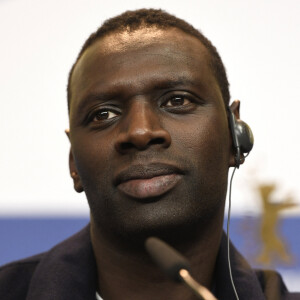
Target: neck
[[125, 271]]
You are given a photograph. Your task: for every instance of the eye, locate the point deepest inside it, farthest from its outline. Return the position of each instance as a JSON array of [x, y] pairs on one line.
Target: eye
[[103, 114], [177, 101]]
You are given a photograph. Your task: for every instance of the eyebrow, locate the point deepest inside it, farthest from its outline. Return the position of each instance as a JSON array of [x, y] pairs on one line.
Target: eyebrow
[[159, 85], [173, 83], [94, 97]]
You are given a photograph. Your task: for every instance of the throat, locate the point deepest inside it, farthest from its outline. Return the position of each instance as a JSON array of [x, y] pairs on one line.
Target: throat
[[130, 273]]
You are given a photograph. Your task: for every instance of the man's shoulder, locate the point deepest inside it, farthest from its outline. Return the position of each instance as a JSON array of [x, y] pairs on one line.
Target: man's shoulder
[[15, 277], [59, 273], [273, 285], [250, 283]]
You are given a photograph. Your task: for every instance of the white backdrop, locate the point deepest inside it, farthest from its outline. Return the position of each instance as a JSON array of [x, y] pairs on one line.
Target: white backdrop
[[258, 41]]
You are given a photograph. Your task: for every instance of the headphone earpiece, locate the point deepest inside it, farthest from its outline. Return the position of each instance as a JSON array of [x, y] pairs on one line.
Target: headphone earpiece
[[242, 136]]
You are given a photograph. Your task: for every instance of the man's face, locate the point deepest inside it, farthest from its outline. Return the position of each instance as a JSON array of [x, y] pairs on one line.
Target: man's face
[[149, 133]]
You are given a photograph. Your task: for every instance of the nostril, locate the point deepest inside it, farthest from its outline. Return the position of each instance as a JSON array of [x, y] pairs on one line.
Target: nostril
[[157, 141], [141, 139], [126, 146]]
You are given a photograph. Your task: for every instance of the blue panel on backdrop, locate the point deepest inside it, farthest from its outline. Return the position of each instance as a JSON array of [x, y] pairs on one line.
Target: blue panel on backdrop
[[21, 237]]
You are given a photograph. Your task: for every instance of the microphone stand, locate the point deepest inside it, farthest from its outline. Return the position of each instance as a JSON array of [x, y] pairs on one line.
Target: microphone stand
[[199, 290], [175, 266]]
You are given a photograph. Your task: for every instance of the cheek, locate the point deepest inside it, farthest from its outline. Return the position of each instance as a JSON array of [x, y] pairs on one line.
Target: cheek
[[204, 141], [92, 157], [207, 148]]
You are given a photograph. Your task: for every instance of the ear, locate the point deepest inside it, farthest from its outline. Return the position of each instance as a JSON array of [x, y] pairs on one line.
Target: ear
[[73, 169], [235, 109]]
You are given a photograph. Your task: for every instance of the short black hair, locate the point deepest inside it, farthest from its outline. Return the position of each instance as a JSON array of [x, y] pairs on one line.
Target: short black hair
[[157, 18]]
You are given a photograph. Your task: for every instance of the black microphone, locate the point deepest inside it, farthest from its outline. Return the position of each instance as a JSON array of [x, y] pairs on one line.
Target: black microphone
[[175, 266]]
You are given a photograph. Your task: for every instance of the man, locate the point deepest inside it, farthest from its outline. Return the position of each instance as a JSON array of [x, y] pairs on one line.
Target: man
[[151, 148]]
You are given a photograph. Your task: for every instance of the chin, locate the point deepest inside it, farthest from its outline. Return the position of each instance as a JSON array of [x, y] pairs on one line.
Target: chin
[[168, 223]]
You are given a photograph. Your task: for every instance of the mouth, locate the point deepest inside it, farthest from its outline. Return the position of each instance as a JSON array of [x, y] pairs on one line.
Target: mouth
[[148, 181]]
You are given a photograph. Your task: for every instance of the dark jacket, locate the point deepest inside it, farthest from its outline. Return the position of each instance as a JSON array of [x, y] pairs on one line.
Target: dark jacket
[[68, 271]]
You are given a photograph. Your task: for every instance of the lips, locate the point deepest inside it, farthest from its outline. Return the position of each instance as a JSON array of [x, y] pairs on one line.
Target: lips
[[148, 181]]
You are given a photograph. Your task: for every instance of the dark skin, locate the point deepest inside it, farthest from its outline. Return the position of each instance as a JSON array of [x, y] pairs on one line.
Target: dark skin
[[151, 148]]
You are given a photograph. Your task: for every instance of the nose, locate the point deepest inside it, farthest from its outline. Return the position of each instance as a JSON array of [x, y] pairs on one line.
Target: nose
[[141, 129]]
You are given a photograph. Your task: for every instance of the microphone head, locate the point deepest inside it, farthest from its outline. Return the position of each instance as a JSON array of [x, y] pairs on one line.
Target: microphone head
[[167, 258]]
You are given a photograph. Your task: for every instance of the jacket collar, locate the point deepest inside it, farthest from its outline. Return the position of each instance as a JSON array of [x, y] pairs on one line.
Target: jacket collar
[[245, 279], [67, 271]]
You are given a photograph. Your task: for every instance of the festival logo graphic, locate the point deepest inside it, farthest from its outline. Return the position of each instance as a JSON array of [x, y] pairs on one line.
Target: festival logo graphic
[[274, 247]]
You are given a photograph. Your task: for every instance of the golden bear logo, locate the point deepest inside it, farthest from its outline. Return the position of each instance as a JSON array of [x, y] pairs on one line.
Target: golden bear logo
[[273, 248]]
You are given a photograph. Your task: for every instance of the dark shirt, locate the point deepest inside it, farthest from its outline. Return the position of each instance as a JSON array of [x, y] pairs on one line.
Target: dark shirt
[[68, 271]]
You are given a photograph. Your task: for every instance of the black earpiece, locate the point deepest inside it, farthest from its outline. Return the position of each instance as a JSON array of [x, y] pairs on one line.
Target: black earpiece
[[242, 136], [243, 140]]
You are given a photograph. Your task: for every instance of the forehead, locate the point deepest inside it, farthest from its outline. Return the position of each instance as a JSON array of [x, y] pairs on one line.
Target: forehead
[[142, 55], [118, 42]]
